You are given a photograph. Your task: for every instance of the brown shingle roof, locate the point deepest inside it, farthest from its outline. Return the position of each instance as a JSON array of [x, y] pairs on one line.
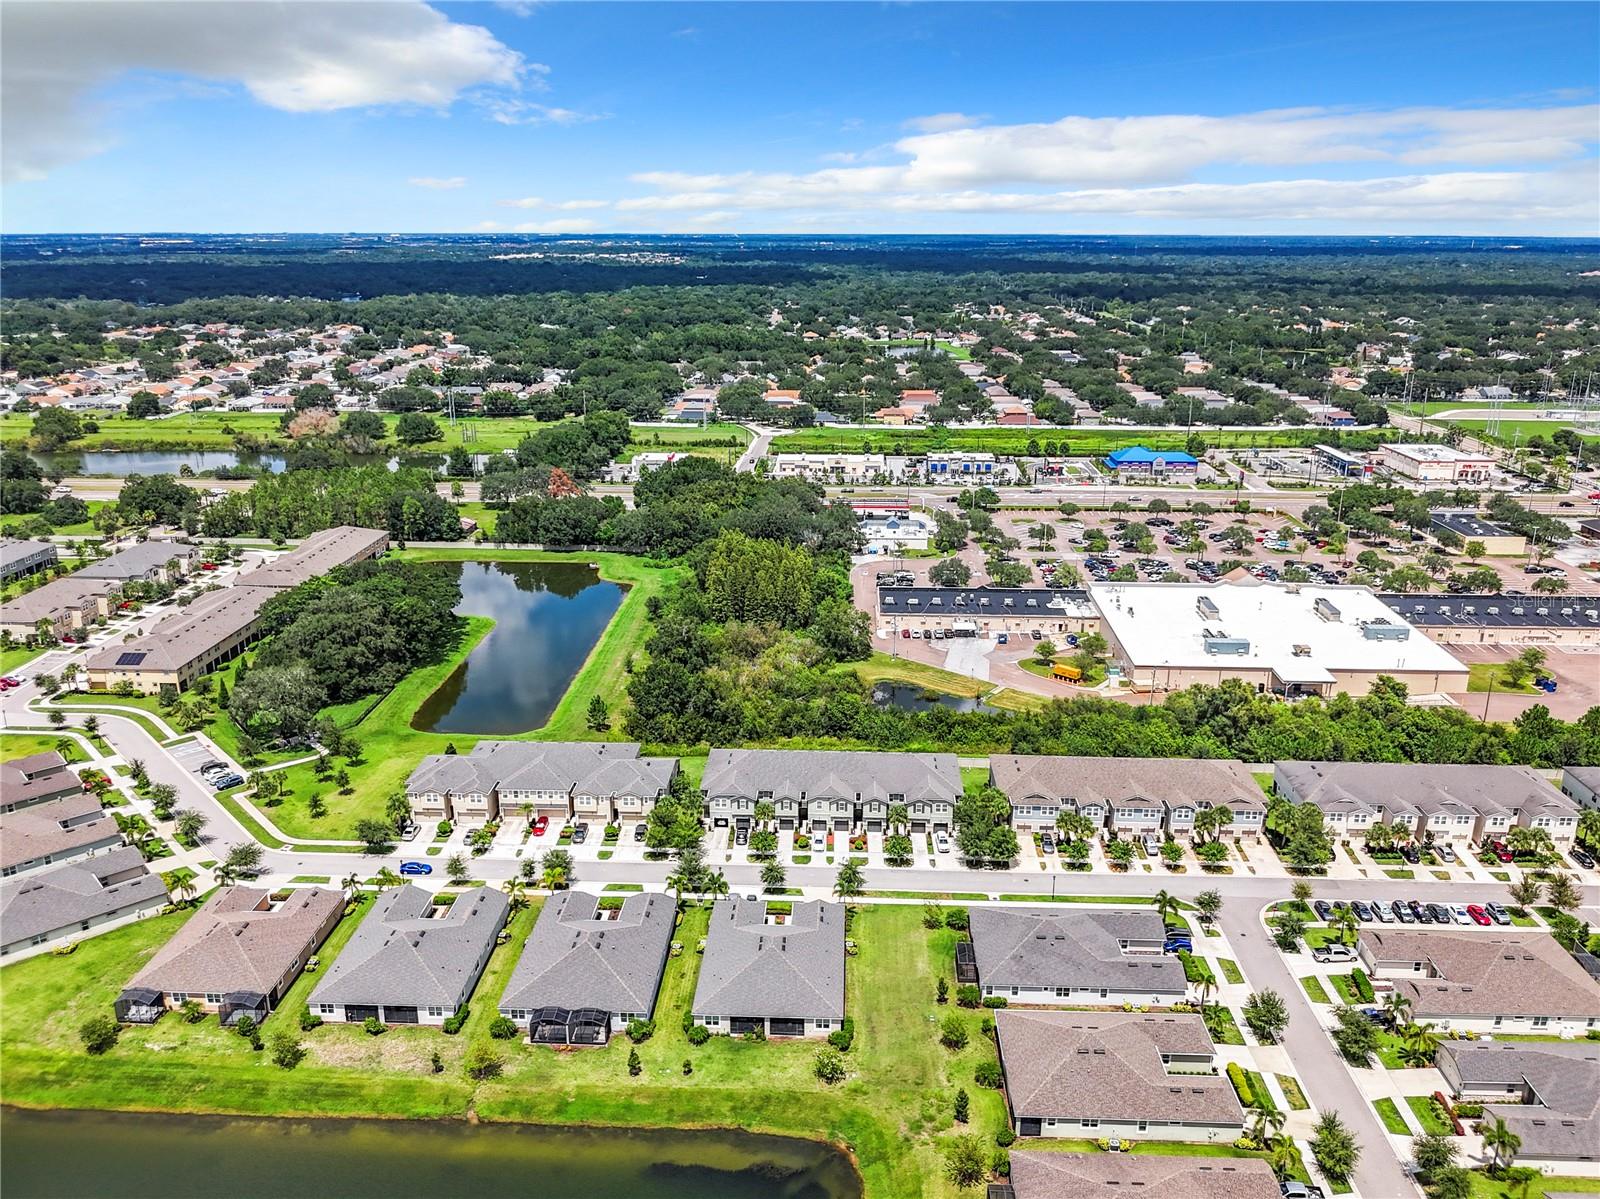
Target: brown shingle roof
[[1488, 974], [1036, 1174]]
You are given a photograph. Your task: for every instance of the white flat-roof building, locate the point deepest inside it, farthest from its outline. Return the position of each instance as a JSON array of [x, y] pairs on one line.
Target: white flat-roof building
[[1290, 640], [897, 533], [1436, 463]]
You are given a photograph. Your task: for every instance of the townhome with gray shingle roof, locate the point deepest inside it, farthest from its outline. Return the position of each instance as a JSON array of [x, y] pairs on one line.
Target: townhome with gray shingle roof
[[36, 779], [586, 971], [412, 960], [63, 902], [1485, 982], [829, 789], [1142, 1076], [236, 956], [1032, 956], [781, 974], [45, 834], [599, 780], [1134, 795]]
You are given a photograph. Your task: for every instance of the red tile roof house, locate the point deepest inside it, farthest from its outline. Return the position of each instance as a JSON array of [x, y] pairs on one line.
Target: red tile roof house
[[236, 956]]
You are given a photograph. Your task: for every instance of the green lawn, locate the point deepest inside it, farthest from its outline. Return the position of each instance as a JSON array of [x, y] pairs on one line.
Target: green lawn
[[882, 667], [21, 745], [1429, 1118], [1314, 989], [17, 657], [1230, 970], [1484, 1187], [1393, 1121], [1518, 431], [1292, 1092], [83, 528], [1078, 442], [892, 1110], [1219, 1020], [1480, 674]]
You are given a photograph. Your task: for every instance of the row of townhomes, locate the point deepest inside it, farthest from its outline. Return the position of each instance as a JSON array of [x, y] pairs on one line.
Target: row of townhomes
[[857, 790], [218, 625], [1439, 803], [66, 866], [73, 602]]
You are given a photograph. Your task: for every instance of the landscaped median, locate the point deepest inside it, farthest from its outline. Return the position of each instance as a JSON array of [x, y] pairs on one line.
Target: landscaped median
[[893, 1109]]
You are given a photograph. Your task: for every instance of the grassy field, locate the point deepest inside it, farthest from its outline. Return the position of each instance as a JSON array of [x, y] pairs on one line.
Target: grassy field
[[883, 667], [1484, 1187], [17, 657], [1389, 1113], [1480, 674], [217, 431], [1517, 432], [892, 1110], [84, 528], [1079, 442], [21, 745]]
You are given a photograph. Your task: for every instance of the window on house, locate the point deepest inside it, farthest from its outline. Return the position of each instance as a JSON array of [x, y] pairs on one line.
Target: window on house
[[325, 1009], [213, 997]]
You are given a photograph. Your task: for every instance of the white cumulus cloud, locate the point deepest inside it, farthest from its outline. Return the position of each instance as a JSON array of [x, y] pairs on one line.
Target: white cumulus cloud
[[305, 57]]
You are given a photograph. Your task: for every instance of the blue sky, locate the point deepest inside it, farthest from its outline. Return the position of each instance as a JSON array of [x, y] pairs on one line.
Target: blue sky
[[574, 118]]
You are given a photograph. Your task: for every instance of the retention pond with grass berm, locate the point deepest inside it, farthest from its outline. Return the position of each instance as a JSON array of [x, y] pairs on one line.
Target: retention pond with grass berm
[[548, 616], [125, 1155]]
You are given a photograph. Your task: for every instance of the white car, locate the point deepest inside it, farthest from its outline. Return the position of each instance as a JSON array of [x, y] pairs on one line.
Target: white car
[[941, 842], [1459, 913]]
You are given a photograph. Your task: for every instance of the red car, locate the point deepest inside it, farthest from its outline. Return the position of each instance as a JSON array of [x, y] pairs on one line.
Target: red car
[[540, 824], [208, 566], [905, 632], [1479, 916], [1498, 848]]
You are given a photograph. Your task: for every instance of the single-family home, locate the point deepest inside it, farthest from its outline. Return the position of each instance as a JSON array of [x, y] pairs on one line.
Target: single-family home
[[1485, 982], [587, 970], [35, 779], [1141, 1076], [770, 971], [414, 959], [1037, 1174], [43, 907], [144, 562], [60, 830], [1030, 956], [236, 956], [1548, 1094], [827, 789]]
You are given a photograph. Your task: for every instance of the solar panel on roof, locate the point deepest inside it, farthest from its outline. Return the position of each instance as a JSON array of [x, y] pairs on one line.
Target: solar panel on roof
[[130, 659]]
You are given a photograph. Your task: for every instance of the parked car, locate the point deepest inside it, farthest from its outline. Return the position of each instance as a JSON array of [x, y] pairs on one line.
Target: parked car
[[1479, 916], [224, 781], [741, 835], [1440, 913], [540, 825], [1047, 843], [1459, 913], [1382, 914], [1501, 851], [409, 830], [1581, 857], [1445, 852], [1334, 952], [1497, 913], [1402, 912], [580, 833], [1363, 912], [1323, 909], [1294, 1189], [639, 831], [1410, 853], [1421, 911], [1003, 638], [941, 842], [415, 868]]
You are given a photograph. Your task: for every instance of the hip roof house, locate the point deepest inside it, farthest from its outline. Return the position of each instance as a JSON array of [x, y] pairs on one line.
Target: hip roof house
[[1049, 957], [44, 906], [781, 975], [585, 972], [412, 961], [1042, 1175]]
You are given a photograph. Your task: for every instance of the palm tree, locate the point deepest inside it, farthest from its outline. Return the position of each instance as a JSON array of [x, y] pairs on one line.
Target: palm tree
[[1203, 989], [386, 878], [1398, 1008], [1502, 1144], [717, 884], [679, 881], [179, 885], [1282, 1156], [1074, 826], [773, 876], [900, 816], [764, 812], [1418, 1044], [1266, 1123], [350, 884], [225, 874], [1588, 823], [1345, 920], [1166, 906], [516, 892]]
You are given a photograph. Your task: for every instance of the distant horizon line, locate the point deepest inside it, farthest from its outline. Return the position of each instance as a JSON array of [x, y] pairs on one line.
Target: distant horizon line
[[592, 235]]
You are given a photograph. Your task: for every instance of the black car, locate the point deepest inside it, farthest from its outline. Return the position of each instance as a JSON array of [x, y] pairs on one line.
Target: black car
[[1402, 912], [1583, 859], [1410, 854], [580, 833], [638, 832], [1363, 911], [741, 835], [1423, 915], [1323, 909], [1440, 914]]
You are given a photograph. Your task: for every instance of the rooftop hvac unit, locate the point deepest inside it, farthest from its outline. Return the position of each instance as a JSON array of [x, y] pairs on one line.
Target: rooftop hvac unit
[[1302, 651], [1383, 630], [1207, 608], [1326, 609], [1221, 643]]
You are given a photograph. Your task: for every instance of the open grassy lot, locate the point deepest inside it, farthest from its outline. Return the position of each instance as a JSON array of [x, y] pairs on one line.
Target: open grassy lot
[[1484, 1187], [1486, 676], [17, 657], [892, 1110], [21, 745], [84, 528], [882, 667], [1518, 431]]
